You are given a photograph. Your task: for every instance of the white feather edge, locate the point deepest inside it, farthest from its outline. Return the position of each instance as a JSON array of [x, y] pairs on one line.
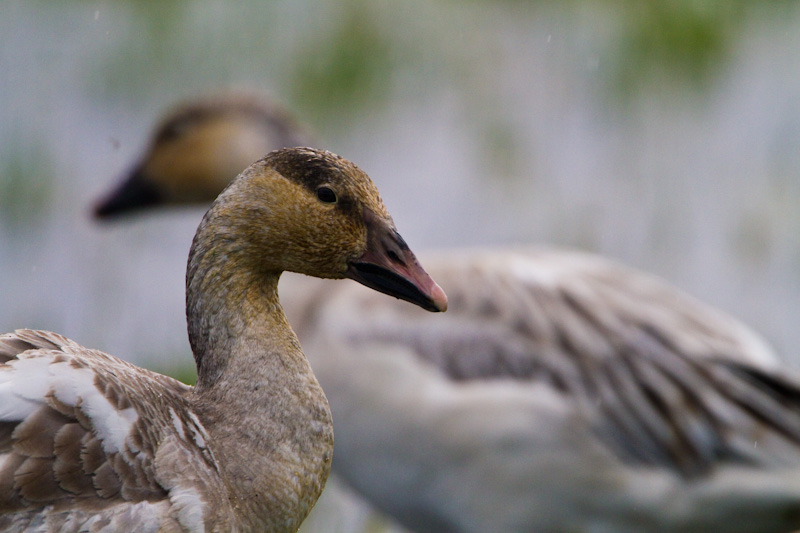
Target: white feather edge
[[26, 381]]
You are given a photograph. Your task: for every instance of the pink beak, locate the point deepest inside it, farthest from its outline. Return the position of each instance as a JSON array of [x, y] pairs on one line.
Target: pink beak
[[390, 267]]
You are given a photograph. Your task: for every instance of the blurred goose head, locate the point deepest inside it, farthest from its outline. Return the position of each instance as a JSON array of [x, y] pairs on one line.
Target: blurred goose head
[[198, 148]]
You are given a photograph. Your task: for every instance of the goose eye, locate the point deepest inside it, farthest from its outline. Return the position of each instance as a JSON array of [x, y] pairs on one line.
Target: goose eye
[[326, 194]]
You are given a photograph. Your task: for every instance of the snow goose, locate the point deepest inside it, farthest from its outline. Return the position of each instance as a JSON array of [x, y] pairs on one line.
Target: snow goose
[[561, 392], [91, 443], [198, 148]]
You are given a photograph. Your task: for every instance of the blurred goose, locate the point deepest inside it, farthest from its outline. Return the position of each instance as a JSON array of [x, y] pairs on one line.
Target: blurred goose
[[91, 443], [561, 392], [198, 148]]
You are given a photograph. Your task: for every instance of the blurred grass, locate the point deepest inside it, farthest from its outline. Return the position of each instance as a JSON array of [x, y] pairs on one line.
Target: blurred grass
[[346, 68], [676, 41], [351, 52], [26, 184], [185, 373]]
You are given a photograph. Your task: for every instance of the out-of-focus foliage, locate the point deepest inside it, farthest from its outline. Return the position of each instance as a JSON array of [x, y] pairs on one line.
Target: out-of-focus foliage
[[676, 41], [186, 373], [26, 177], [349, 66], [145, 40]]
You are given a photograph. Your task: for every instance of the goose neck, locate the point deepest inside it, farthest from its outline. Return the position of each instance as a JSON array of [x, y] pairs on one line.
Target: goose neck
[[256, 394]]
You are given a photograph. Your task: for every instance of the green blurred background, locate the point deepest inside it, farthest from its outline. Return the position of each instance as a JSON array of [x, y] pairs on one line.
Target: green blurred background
[[664, 134]]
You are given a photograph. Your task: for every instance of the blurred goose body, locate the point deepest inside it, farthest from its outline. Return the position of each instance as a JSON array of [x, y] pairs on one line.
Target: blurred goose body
[[561, 392], [91, 443]]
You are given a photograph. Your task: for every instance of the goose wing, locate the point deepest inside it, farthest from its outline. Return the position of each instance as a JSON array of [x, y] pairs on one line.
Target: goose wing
[[546, 315], [88, 441]]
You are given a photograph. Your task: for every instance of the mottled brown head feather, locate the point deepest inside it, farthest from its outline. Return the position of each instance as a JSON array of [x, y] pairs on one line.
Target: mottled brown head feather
[[314, 168]]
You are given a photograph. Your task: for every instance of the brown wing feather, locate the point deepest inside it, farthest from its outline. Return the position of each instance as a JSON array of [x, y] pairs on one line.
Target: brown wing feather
[[57, 454]]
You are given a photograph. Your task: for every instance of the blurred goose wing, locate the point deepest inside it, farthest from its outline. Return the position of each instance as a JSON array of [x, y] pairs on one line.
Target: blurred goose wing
[[549, 315]]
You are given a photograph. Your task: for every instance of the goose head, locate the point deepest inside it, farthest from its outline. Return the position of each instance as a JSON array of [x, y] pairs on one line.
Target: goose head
[[198, 149], [307, 211]]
